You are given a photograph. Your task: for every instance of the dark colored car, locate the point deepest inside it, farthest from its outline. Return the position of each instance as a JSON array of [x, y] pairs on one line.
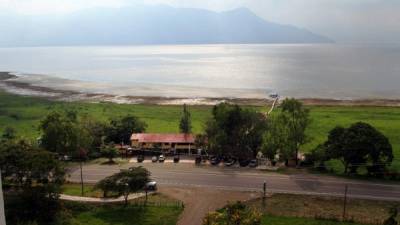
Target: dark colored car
[[140, 158], [253, 163], [244, 162], [215, 160], [230, 162], [176, 158]]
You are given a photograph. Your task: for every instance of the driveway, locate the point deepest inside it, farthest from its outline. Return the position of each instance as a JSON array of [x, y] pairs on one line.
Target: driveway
[[199, 201]]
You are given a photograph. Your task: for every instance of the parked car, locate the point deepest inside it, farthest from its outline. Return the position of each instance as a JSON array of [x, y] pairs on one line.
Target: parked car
[[176, 158], [253, 163], [215, 160], [230, 162], [64, 158], [140, 158], [161, 158], [244, 162], [151, 186], [154, 159]]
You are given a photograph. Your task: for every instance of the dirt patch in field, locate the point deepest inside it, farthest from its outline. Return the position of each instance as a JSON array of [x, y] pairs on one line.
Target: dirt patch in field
[[199, 201]]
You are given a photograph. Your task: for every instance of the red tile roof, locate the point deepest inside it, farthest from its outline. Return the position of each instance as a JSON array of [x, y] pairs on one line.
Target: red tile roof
[[163, 138]]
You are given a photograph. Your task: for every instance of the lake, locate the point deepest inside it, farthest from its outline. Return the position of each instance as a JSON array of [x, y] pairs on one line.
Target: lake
[[238, 71]]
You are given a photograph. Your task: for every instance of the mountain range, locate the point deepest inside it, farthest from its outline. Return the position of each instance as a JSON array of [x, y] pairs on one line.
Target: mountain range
[[137, 25]]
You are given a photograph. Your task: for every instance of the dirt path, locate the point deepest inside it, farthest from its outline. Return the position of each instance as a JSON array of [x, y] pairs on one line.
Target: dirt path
[[199, 201], [101, 200]]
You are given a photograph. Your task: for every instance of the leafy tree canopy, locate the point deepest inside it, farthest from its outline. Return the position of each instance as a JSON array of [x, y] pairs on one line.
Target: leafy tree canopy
[[120, 129], [62, 133], [109, 151], [235, 132], [296, 121], [35, 177], [358, 145], [125, 182]]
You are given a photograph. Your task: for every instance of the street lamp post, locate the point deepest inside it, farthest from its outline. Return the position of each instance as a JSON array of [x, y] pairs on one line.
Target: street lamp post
[[2, 213]]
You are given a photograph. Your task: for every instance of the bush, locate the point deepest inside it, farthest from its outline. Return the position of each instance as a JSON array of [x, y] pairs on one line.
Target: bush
[[236, 213]]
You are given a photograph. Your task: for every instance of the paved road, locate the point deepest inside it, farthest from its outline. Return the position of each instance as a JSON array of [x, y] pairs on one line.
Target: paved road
[[184, 174]]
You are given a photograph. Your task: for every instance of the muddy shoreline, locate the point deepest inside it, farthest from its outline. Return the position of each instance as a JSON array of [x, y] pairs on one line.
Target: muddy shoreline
[[10, 84]]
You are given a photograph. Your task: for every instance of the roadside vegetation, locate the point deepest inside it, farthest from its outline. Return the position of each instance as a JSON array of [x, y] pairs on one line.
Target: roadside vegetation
[[285, 209]]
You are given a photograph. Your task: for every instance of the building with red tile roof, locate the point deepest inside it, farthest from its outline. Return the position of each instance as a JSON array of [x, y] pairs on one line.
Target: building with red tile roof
[[176, 142]]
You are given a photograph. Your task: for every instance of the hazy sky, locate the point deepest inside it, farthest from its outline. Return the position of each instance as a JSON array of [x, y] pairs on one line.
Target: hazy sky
[[342, 20]]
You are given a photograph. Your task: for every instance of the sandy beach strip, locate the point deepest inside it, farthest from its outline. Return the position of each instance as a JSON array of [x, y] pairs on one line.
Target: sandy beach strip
[[10, 83]]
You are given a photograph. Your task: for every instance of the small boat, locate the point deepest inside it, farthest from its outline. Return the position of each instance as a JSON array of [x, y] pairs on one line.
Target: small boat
[[273, 95]]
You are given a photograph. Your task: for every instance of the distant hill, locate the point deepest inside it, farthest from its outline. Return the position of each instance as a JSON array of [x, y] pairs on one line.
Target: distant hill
[[148, 25]]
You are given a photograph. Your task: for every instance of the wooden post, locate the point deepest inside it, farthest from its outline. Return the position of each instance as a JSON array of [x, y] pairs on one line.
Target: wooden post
[[146, 195], [2, 213], [345, 202], [264, 193], [81, 179]]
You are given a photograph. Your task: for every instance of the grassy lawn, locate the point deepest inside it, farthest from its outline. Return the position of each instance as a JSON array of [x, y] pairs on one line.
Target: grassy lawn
[[75, 190], [275, 220], [157, 213], [303, 206], [25, 113]]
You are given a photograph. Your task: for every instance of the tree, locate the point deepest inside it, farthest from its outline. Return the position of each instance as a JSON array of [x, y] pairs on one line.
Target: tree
[[357, 145], [120, 130], [201, 142], [185, 124], [62, 133], [317, 157], [276, 138], [234, 213], [107, 185], [35, 176], [235, 132], [109, 151], [125, 182], [297, 120], [97, 131]]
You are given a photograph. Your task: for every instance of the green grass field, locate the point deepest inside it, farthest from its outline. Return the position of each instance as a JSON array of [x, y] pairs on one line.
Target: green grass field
[[25, 113], [75, 190], [164, 211]]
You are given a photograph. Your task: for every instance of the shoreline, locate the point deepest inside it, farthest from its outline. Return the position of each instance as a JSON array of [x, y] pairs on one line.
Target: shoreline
[[9, 84]]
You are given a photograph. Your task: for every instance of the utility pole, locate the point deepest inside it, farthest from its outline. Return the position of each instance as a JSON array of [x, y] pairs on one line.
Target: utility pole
[[2, 213], [345, 202]]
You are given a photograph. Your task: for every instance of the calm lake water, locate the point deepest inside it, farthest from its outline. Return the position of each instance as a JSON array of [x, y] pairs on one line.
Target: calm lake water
[[321, 71]]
